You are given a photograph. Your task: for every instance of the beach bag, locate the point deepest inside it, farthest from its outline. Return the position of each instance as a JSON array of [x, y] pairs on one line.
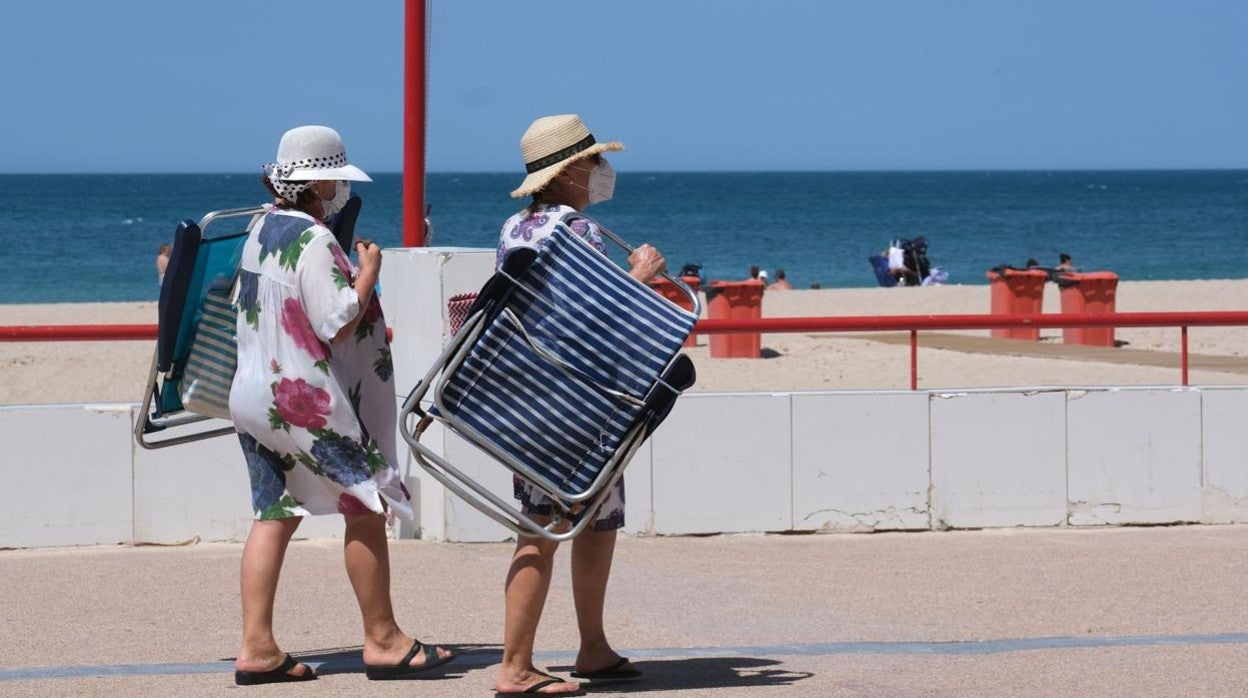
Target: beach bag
[[457, 308], [213, 358], [896, 258]]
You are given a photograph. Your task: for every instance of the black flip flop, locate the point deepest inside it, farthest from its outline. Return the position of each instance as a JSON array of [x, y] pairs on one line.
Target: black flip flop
[[615, 672], [278, 675], [536, 689], [404, 669]]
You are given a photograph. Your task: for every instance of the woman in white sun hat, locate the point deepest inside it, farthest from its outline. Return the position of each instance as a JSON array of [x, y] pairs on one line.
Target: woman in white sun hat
[[566, 172], [313, 403]]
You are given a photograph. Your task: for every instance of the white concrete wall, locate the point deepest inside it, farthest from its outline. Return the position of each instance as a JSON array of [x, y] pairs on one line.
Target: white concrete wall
[[998, 459], [858, 465], [722, 463], [1225, 455], [849, 461], [1134, 456], [66, 474], [816, 461]]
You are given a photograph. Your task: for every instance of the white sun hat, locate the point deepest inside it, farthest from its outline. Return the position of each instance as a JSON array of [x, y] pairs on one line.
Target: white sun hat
[[313, 153], [551, 144]]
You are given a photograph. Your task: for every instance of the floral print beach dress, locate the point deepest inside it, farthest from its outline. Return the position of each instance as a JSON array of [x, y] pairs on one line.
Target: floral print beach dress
[[529, 228], [316, 419]]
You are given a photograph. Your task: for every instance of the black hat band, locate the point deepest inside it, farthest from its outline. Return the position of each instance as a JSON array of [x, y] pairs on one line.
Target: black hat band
[[559, 155]]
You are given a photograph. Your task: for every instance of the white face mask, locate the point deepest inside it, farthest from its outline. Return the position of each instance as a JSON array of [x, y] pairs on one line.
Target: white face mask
[[331, 206], [601, 182]]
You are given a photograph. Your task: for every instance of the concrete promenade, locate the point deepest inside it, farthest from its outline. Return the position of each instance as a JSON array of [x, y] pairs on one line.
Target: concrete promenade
[[1036, 612]]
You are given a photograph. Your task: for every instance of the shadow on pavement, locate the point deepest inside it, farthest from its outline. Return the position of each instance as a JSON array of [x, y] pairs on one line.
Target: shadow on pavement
[[698, 673], [658, 674]]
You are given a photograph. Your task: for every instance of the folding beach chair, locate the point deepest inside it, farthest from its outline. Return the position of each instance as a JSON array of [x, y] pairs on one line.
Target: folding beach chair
[[198, 279], [564, 366]]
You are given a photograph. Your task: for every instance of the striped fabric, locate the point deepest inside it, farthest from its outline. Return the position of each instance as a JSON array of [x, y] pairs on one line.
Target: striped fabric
[[214, 354], [610, 332]]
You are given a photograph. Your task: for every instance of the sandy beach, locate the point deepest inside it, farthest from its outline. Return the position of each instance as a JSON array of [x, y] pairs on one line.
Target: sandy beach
[[48, 372]]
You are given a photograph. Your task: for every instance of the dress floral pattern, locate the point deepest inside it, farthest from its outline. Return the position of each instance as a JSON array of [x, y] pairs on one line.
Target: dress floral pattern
[[309, 411], [529, 228]]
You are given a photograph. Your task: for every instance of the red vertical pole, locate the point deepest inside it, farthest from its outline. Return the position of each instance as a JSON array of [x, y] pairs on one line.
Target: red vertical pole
[[914, 359], [1184, 359], [414, 124]]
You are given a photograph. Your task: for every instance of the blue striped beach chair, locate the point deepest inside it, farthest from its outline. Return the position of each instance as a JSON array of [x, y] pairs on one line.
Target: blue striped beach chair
[[194, 309], [565, 365]]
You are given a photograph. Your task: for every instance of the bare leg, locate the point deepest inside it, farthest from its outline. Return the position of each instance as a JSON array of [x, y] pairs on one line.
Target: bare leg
[[367, 556], [592, 552], [528, 581], [261, 566]]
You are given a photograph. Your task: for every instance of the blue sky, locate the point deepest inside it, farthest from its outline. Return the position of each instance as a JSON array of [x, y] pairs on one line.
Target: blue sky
[[159, 86]]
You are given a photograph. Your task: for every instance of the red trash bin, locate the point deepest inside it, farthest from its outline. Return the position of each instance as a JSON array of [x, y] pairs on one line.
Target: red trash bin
[[673, 293], [1090, 292], [1016, 291], [736, 300]]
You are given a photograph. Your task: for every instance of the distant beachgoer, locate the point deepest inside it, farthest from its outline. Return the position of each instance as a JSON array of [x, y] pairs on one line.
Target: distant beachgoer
[[754, 272], [1064, 263], [162, 262], [816, 284], [1032, 263], [762, 276], [693, 270], [313, 404], [566, 172], [782, 284]]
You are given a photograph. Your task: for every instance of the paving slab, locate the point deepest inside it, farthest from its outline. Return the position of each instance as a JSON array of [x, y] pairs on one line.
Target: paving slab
[[1115, 611]]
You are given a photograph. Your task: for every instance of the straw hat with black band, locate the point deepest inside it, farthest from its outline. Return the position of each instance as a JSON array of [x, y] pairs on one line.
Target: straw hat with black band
[[552, 143]]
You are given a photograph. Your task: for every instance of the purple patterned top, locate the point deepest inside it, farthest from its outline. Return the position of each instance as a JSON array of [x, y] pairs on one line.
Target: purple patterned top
[[530, 227]]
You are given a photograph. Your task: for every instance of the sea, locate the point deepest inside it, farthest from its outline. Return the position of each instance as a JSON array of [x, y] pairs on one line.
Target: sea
[[75, 238]]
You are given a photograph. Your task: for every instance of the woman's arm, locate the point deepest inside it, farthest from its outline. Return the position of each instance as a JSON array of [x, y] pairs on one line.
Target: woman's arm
[[370, 266]]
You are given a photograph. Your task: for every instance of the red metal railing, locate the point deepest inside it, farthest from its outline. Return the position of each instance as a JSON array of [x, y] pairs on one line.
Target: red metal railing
[[85, 333], [879, 323], [914, 323]]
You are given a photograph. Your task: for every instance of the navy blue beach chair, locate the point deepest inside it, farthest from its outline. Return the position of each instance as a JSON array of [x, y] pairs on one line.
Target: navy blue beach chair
[[564, 366], [200, 272]]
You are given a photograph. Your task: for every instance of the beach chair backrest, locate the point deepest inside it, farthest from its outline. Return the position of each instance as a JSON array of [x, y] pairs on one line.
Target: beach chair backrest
[[213, 263], [563, 370], [198, 265], [173, 289]]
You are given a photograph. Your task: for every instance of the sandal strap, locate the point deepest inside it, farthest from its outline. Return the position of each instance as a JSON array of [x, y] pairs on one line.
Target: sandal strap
[[537, 687], [411, 654], [287, 664]]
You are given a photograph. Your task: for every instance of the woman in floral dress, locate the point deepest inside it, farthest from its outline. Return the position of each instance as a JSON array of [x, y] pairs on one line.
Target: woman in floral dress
[[313, 403]]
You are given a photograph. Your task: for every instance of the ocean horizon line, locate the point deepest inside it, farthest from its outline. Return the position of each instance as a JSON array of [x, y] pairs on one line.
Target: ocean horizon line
[[962, 171]]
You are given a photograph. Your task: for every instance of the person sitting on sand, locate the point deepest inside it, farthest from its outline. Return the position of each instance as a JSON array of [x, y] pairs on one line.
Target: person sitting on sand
[[162, 262], [782, 284]]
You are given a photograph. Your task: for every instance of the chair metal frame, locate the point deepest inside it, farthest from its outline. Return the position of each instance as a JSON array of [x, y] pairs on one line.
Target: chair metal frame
[[153, 419], [585, 503]]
